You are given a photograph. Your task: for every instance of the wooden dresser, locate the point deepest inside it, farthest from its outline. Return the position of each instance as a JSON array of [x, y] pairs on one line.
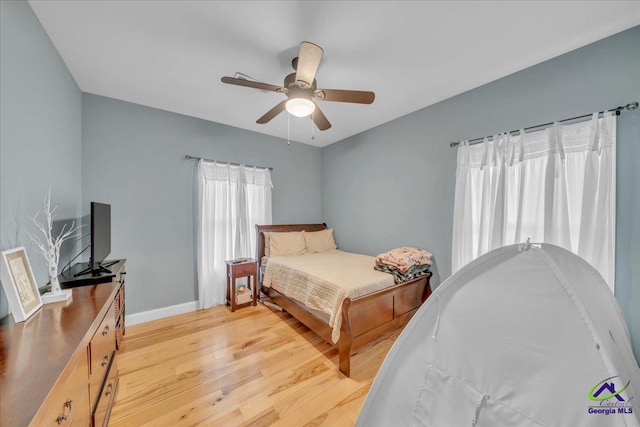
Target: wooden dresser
[[59, 368]]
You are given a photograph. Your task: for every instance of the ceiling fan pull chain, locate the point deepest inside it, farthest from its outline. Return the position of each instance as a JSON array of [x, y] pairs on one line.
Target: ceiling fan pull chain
[[312, 119], [288, 129]]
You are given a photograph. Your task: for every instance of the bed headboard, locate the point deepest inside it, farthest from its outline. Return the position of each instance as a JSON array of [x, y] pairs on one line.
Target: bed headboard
[[280, 228]]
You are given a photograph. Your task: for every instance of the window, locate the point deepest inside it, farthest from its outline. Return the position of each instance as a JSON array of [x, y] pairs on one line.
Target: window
[[554, 186], [231, 201]]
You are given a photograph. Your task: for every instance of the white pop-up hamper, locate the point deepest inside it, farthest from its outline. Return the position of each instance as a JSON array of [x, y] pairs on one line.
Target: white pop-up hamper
[[522, 336]]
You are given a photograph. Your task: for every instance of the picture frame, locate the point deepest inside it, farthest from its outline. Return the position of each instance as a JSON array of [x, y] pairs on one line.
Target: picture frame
[[19, 284]]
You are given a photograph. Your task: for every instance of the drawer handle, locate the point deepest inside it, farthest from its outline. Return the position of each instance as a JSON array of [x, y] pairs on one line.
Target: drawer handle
[[109, 388], [105, 331], [65, 414], [105, 360]]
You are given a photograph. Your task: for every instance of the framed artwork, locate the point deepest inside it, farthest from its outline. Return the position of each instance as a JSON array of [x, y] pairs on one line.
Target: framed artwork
[[19, 284]]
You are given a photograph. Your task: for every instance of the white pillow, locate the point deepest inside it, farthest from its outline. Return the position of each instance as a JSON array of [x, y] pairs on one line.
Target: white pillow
[[287, 243], [320, 241]]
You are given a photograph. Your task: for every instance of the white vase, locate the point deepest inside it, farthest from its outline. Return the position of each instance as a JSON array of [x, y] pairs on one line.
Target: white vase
[[55, 294], [53, 278]]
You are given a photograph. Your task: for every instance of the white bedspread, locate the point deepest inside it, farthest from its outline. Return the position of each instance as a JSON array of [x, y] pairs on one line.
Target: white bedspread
[[322, 281]]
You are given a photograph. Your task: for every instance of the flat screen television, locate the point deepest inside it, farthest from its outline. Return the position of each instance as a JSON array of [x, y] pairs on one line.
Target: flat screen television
[[100, 234], [100, 242]]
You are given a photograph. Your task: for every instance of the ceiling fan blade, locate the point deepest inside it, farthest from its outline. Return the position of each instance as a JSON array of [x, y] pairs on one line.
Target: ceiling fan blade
[[319, 119], [251, 83], [307, 64], [355, 96], [279, 108]]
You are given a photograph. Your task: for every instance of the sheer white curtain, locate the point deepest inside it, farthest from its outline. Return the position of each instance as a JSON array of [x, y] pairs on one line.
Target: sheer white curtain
[[231, 200], [555, 186]]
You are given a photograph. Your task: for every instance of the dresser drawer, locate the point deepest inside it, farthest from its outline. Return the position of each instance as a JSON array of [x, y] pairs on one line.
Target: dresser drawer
[[101, 348], [68, 402], [107, 395], [242, 270]]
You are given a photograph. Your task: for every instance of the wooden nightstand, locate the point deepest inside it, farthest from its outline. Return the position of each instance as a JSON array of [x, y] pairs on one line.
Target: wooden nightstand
[[236, 269]]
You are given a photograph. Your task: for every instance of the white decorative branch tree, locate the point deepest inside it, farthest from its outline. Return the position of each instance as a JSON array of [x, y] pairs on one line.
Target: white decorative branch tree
[[50, 246]]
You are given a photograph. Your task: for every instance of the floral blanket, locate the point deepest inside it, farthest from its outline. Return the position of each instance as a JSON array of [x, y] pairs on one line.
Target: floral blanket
[[404, 258]]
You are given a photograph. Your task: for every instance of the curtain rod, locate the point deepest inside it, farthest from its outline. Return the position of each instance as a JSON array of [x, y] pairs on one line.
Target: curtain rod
[[189, 157], [629, 107]]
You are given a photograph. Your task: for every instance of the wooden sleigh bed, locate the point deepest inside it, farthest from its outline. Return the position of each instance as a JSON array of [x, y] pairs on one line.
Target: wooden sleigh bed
[[363, 318]]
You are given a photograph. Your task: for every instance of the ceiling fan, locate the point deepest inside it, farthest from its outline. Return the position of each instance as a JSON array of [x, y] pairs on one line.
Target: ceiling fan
[[301, 89]]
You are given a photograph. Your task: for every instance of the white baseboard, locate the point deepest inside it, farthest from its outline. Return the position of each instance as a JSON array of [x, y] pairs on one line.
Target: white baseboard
[[159, 313]]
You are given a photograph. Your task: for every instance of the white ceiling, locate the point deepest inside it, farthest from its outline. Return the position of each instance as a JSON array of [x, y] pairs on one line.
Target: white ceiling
[[171, 54]]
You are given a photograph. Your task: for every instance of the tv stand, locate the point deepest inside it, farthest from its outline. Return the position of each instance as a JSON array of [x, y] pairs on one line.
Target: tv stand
[[81, 274], [94, 272]]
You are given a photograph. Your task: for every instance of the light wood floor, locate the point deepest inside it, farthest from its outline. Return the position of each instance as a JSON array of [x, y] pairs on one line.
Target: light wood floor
[[254, 367]]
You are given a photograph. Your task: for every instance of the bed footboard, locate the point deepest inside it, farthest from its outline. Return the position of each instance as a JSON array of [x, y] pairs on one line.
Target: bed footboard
[[368, 317], [364, 318]]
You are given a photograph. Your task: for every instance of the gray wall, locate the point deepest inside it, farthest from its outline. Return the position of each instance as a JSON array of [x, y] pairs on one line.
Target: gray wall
[[132, 158], [40, 130], [394, 185]]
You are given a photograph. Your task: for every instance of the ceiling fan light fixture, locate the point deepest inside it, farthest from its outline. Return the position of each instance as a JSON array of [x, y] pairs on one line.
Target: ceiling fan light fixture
[[301, 89], [300, 107]]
